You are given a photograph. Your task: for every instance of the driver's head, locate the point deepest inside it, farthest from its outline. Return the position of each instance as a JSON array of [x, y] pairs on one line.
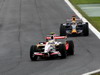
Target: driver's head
[[73, 18], [52, 33]]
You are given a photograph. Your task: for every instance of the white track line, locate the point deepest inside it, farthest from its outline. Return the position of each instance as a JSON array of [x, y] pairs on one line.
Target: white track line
[[93, 72], [94, 30]]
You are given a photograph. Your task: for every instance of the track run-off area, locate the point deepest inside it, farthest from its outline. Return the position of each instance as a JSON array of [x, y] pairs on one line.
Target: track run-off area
[[27, 22]]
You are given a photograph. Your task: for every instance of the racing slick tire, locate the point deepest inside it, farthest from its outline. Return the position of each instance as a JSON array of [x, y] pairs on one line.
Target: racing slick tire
[[62, 50], [32, 50], [85, 29], [70, 50], [62, 30]]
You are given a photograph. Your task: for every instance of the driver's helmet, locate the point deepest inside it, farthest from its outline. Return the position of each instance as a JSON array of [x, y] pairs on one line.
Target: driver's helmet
[[74, 18], [52, 33]]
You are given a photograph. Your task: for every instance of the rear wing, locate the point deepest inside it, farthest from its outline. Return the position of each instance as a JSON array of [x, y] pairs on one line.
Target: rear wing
[[57, 37]]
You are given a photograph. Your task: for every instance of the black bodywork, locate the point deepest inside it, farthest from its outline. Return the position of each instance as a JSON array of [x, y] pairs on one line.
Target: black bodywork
[[79, 28]]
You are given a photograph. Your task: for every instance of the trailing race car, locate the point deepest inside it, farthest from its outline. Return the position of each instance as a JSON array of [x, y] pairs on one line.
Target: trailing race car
[[74, 26], [52, 48]]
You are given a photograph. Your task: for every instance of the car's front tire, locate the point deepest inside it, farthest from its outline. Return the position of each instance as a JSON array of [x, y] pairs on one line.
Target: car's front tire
[[62, 50], [70, 50], [32, 50], [85, 29]]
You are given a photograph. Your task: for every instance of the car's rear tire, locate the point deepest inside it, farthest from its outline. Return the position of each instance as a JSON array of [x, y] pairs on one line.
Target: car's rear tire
[[62, 30], [62, 50], [85, 29], [70, 50], [32, 50]]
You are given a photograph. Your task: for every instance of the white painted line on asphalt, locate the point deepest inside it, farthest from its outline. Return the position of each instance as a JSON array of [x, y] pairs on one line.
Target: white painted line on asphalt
[[94, 30], [93, 72]]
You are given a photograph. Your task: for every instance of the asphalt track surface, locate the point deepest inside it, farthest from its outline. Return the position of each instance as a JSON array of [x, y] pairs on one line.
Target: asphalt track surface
[[26, 22]]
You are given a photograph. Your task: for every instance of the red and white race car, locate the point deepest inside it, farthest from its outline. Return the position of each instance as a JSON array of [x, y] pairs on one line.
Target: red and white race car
[[52, 48]]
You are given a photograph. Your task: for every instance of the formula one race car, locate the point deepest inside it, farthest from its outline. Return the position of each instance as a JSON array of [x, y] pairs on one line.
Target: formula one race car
[[74, 26], [52, 48]]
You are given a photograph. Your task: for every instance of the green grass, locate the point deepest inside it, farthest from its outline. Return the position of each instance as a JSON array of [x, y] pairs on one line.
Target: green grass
[[85, 1], [94, 20]]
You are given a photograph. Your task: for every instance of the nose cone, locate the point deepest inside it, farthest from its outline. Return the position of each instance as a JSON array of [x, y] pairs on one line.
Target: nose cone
[[74, 31], [46, 49]]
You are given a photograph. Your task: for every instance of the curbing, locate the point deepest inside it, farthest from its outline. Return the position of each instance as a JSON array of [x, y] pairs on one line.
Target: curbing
[[94, 30]]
